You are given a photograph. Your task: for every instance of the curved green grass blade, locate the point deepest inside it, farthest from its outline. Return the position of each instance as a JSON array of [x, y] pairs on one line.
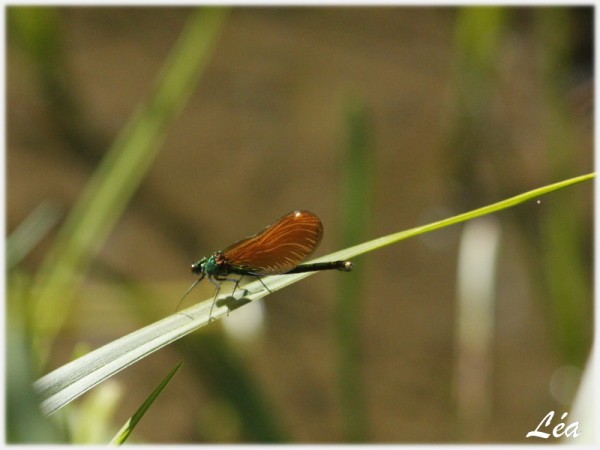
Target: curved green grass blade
[[129, 426], [495, 207], [68, 382]]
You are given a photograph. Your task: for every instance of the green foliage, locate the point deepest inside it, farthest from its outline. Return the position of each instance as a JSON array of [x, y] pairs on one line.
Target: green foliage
[[37, 31]]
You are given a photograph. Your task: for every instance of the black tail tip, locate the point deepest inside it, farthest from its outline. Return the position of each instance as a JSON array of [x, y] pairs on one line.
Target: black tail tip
[[346, 266]]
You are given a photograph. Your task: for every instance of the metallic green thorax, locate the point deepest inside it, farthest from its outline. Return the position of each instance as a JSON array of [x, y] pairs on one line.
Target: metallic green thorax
[[213, 266]]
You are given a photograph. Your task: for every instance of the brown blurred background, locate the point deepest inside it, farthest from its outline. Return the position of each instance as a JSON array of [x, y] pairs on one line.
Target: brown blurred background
[[462, 107]]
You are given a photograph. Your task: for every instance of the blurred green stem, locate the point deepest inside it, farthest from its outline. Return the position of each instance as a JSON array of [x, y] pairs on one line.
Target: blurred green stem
[[111, 187], [566, 267], [356, 211]]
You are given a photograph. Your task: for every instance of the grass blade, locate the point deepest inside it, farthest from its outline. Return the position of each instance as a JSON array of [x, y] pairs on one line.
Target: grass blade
[[129, 426], [71, 380]]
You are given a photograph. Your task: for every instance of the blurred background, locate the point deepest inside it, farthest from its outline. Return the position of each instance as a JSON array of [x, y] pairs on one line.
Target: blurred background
[[377, 120]]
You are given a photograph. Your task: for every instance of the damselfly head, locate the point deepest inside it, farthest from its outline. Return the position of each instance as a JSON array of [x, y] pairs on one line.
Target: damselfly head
[[198, 267], [214, 265]]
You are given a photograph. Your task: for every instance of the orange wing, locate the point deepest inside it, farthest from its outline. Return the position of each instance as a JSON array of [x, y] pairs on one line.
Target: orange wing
[[278, 248]]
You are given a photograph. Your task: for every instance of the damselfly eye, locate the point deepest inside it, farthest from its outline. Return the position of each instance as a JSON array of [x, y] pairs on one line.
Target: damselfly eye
[[195, 268]]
